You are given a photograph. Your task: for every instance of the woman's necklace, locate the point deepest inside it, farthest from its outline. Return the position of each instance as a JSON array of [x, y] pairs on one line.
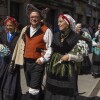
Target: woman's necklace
[[63, 37]]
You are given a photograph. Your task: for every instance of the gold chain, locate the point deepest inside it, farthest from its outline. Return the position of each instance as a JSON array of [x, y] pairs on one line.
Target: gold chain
[[63, 37]]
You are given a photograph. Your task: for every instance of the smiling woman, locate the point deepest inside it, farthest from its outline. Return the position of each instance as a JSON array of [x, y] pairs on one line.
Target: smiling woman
[[62, 24], [8, 80], [61, 81], [11, 24]]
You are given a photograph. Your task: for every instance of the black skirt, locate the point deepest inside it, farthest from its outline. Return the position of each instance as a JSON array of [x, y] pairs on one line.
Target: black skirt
[[60, 89], [3, 69], [61, 80], [50, 96], [85, 67], [9, 82]]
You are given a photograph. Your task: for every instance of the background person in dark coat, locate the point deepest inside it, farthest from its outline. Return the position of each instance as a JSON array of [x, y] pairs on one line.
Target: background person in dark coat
[[96, 54]]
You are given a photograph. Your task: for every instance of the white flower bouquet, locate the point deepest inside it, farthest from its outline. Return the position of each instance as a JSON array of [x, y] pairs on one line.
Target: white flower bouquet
[[4, 50], [80, 48]]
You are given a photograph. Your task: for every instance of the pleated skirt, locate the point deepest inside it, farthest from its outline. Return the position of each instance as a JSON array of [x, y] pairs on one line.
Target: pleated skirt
[[9, 82]]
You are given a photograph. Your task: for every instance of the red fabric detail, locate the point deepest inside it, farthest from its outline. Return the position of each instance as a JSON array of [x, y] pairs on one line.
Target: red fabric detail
[[13, 20], [64, 17]]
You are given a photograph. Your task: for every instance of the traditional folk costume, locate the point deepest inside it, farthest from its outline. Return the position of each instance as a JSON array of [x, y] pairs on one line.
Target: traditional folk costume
[[31, 43], [9, 82], [96, 55], [86, 40], [61, 76]]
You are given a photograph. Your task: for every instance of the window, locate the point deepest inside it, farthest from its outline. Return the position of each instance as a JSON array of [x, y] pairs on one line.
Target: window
[[4, 2]]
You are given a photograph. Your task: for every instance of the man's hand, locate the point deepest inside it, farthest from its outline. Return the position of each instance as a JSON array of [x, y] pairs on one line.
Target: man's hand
[[38, 61]]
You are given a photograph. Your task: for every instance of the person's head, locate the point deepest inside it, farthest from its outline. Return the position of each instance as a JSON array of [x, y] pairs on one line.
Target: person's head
[[99, 26], [35, 18], [30, 8], [11, 24], [65, 22], [78, 27]]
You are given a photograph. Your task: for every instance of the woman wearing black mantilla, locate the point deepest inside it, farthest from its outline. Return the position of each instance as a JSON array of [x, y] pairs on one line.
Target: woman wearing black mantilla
[[61, 74]]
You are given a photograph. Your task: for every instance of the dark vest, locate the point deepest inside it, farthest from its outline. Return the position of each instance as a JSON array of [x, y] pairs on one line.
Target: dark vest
[[67, 45], [57, 82]]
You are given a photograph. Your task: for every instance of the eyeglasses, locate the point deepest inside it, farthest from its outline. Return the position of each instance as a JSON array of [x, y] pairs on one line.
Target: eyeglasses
[[35, 17]]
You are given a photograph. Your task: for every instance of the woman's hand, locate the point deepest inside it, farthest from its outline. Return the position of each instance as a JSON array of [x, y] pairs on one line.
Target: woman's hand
[[65, 58]]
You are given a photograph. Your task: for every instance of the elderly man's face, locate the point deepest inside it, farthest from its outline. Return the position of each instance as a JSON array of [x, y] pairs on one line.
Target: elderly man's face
[[62, 24], [35, 19], [78, 28], [99, 27]]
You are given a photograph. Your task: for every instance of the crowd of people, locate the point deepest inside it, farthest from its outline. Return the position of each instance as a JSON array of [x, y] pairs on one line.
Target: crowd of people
[[64, 54]]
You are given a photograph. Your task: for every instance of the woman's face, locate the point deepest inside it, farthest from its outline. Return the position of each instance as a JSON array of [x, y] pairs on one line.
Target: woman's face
[[62, 24], [10, 26]]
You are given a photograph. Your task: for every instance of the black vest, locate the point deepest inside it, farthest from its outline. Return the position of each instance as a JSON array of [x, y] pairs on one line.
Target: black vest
[[68, 44]]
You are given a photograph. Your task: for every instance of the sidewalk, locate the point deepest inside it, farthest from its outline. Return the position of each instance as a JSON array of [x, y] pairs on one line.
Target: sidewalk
[[88, 88], [86, 85], [23, 82]]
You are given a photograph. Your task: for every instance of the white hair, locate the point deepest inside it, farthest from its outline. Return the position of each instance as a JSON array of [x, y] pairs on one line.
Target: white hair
[[77, 25]]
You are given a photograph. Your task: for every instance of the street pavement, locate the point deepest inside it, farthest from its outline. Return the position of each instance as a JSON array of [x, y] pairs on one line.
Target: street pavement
[[89, 87], [23, 82]]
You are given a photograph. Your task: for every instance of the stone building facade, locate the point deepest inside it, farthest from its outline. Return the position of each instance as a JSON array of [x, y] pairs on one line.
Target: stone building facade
[[84, 11]]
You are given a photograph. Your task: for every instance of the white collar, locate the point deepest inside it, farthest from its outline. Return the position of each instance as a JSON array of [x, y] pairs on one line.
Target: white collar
[[33, 30]]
